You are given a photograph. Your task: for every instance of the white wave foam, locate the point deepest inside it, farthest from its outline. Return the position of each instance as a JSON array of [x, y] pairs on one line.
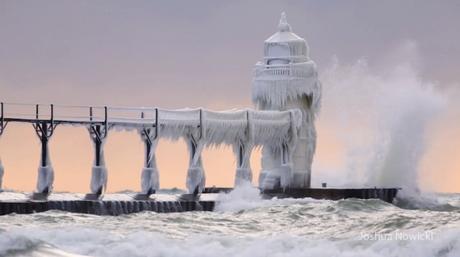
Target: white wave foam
[[244, 196], [96, 243]]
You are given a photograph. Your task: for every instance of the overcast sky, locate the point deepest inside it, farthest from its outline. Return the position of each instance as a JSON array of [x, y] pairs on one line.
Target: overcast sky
[[175, 54], [168, 53]]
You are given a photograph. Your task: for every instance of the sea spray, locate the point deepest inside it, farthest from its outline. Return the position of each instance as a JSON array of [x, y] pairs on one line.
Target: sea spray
[[381, 119], [283, 228], [244, 196]]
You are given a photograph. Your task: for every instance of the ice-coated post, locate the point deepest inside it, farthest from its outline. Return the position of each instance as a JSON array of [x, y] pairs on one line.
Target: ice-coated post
[[44, 130], [243, 152], [287, 151], [283, 153], [243, 169], [150, 181], [286, 166], [98, 133], [195, 175]]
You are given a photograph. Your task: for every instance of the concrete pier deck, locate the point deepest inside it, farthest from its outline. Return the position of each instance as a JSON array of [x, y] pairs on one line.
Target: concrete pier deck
[[384, 194], [119, 204]]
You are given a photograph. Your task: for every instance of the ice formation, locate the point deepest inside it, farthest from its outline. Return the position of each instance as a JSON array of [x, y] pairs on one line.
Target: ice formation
[[242, 129], [285, 79], [150, 179], [98, 134], [45, 179]]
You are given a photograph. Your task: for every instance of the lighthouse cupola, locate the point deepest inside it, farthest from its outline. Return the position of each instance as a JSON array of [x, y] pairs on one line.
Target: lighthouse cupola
[[284, 46]]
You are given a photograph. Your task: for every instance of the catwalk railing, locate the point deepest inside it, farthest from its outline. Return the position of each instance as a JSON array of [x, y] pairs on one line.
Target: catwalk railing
[[287, 71], [242, 129]]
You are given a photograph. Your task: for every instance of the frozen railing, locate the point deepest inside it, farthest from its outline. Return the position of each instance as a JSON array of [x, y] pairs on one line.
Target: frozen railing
[[21, 112], [219, 126], [242, 129], [304, 69], [62, 114]]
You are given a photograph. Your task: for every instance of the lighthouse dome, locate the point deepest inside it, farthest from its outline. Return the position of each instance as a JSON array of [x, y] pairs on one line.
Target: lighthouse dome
[[284, 46]]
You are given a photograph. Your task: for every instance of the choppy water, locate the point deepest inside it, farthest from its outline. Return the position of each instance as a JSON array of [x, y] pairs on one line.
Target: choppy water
[[244, 225]]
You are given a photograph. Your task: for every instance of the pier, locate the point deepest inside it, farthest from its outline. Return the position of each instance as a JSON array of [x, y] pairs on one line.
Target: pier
[[241, 129], [162, 203]]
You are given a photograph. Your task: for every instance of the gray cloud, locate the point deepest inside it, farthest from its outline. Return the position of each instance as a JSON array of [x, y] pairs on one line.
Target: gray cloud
[[199, 53]]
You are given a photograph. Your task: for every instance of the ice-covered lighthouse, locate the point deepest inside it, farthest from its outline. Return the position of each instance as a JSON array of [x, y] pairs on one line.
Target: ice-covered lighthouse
[[286, 78]]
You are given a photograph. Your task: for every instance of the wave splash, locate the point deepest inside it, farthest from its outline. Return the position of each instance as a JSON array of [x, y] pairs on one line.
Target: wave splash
[[287, 227]]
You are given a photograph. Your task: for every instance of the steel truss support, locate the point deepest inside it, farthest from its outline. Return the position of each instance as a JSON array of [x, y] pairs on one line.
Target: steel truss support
[[44, 130], [243, 152], [287, 151], [150, 176], [196, 179], [98, 132]]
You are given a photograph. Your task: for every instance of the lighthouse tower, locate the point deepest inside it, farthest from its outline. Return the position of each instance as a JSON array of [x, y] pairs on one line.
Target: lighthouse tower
[[286, 78]]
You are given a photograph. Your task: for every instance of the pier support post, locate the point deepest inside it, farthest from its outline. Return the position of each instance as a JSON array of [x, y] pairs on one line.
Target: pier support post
[[243, 152], [287, 174], [98, 133], [44, 130], [2, 129], [279, 159], [287, 152], [243, 169], [150, 182], [195, 175]]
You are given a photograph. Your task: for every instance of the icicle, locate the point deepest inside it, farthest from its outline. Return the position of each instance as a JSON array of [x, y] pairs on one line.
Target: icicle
[[243, 169], [277, 167], [150, 182], [45, 179], [45, 172], [269, 177], [277, 91], [98, 135], [150, 179], [243, 151], [195, 175], [288, 149], [98, 180]]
